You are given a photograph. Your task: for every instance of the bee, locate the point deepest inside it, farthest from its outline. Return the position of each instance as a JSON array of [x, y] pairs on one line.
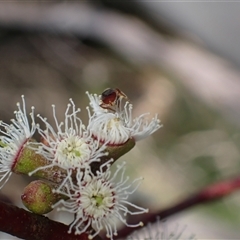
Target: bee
[[110, 98]]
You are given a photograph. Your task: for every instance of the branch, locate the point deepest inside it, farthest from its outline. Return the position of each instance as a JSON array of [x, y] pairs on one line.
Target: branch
[[209, 194], [23, 224]]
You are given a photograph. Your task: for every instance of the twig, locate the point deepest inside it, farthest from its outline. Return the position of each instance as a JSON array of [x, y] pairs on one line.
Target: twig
[[23, 224], [208, 194]]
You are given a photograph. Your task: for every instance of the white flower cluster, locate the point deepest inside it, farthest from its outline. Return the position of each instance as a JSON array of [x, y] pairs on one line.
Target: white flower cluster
[[97, 198]]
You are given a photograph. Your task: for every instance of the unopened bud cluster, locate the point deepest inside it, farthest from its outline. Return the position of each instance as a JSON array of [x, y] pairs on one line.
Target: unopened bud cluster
[[72, 161]]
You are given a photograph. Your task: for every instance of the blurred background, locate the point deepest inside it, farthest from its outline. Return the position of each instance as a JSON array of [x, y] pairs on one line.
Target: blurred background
[[178, 59]]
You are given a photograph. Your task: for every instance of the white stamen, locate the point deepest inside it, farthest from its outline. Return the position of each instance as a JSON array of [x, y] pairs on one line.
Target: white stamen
[[71, 146], [100, 201], [15, 136], [118, 126]]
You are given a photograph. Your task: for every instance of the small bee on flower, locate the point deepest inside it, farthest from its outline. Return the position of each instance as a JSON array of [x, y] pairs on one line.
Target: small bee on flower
[[112, 121], [75, 160], [111, 99]]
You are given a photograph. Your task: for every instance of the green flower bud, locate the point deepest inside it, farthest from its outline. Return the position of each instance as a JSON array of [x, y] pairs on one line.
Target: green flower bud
[[28, 161], [38, 197]]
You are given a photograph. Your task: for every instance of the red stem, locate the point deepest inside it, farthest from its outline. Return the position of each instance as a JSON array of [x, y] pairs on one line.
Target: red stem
[[23, 224], [210, 193], [26, 225]]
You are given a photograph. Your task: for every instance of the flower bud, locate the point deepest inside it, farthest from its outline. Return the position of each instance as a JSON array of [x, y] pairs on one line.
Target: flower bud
[[114, 152], [38, 197], [28, 161]]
